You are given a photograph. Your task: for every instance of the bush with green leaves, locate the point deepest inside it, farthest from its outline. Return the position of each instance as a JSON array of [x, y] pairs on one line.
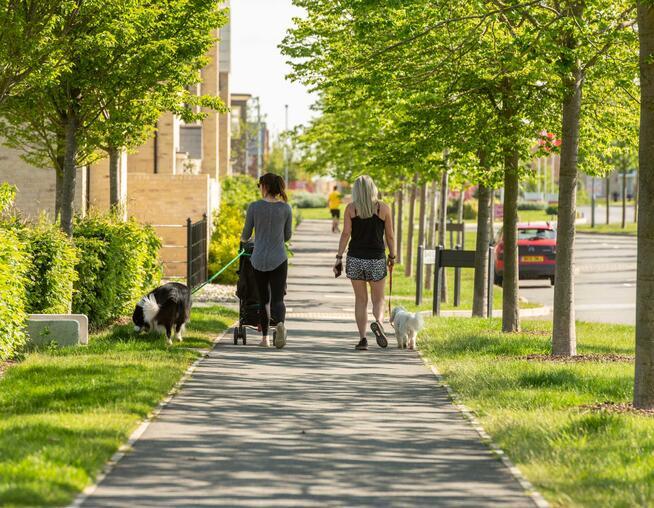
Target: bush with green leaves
[[237, 193], [552, 210], [532, 205], [309, 200], [469, 210], [14, 265], [118, 263], [52, 269]]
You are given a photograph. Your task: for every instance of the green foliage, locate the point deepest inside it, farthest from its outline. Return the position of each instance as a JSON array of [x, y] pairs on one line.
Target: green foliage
[[225, 242], [470, 209], [308, 200], [532, 205], [14, 264], [237, 193], [7, 196], [552, 210], [52, 270], [118, 263]]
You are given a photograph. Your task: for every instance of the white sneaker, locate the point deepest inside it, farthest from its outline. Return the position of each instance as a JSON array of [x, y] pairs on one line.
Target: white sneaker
[[280, 336], [265, 342]]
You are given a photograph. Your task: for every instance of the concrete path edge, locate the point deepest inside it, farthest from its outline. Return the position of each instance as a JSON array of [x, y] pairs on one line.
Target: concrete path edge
[[485, 438], [140, 430]]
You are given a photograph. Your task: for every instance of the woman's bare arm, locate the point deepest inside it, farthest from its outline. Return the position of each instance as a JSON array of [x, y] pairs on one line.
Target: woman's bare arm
[[347, 230]]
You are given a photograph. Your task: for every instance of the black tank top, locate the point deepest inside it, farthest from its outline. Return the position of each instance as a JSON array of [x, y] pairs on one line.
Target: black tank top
[[367, 240]]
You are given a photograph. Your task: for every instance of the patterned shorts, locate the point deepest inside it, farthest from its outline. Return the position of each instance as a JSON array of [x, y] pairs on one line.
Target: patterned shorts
[[365, 269]]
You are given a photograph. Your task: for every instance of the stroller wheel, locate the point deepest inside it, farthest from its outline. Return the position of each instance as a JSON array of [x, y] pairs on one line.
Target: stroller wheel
[[236, 335], [244, 335]]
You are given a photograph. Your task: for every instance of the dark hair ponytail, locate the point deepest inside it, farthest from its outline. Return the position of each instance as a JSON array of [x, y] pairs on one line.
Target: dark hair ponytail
[[275, 185]]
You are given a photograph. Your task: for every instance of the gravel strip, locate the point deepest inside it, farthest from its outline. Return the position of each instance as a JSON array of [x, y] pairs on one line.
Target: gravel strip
[[216, 293]]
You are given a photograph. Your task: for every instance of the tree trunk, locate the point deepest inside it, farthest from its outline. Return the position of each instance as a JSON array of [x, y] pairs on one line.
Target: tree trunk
[[644, 377], [564, 334], [400, 226], [608, 199], [423, 214], [636, 200], [431, 230], [492, 214], [510, 301], [70, 173], [480, 296], [408, 262], [459, 213], [624, 197], [59, 190], [442, 221], [114, 177]]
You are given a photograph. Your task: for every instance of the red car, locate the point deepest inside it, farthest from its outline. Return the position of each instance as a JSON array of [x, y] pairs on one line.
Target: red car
[[536, 251]]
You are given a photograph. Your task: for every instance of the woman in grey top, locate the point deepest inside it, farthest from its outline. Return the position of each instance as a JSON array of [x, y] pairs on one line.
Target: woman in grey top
[[271, 218]]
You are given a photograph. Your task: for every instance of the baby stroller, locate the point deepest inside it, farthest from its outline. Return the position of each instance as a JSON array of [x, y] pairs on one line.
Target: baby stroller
[[249, 309]]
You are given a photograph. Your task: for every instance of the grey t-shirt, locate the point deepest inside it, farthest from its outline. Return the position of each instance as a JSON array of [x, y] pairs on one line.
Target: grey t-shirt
[[273, 225]]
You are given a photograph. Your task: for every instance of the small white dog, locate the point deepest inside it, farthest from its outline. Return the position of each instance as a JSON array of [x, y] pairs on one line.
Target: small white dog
[[406, 327]]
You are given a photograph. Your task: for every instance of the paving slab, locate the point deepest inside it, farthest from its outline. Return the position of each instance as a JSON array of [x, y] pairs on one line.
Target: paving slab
[[316, 424]]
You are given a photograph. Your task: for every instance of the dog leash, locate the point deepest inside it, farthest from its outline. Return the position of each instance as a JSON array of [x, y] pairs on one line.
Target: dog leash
[[390, 289], [220, 272]]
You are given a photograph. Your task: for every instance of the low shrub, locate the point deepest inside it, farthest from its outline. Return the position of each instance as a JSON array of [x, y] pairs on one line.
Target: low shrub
[[308, 200], [237, 193], [470, 209], [532, 205], [14, 264], [52, 270], [552, 210], [114, 275], [225, 242]]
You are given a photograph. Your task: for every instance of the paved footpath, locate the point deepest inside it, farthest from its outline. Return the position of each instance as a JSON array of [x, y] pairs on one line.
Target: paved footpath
[[316, 424]]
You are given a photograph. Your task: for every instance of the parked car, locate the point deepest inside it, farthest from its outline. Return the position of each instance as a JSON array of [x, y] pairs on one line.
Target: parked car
[[536, 252]]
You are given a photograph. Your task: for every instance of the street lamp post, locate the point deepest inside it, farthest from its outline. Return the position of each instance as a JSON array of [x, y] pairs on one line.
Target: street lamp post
[[592, 204], [259, 140]]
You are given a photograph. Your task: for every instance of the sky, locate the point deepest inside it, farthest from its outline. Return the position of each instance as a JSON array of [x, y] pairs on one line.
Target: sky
[[258, 68]]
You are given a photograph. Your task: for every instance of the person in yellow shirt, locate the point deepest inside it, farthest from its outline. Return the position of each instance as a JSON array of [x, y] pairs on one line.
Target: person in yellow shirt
[[334, 203]]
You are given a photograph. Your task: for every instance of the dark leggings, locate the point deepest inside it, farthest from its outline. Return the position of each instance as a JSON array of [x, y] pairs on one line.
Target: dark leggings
[[271, 287]]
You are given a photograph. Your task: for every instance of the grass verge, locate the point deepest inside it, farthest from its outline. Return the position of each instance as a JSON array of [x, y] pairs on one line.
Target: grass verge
[[532, 409], [631, 229], [63, 413]]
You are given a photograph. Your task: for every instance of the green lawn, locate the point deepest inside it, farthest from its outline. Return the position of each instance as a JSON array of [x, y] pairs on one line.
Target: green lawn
[[531, 409], [63, 413], [631, 229], [318, 213]]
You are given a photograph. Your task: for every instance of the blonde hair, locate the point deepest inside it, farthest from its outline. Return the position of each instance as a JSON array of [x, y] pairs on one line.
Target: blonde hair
[[365, 196]]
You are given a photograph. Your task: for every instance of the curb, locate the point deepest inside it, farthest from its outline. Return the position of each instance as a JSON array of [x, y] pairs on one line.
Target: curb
[[140, 430], [538, 500]]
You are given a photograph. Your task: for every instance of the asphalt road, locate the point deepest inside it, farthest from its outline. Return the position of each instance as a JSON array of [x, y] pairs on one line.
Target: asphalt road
[[605, 285]]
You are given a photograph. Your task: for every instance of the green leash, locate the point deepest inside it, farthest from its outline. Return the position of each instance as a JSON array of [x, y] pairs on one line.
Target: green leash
[[215, 275]]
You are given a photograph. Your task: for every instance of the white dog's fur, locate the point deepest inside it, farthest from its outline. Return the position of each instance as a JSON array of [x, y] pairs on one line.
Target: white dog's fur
[[407, 326]]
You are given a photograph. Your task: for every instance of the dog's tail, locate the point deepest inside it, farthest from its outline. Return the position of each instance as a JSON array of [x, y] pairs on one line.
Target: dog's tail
[[150, 308], [416, 321]]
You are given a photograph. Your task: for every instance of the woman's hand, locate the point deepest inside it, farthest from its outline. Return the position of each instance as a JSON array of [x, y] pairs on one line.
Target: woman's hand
[[338, 266], [390, 262]]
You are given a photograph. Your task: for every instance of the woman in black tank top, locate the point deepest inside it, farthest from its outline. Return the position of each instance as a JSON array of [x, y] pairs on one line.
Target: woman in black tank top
[[368, 229]]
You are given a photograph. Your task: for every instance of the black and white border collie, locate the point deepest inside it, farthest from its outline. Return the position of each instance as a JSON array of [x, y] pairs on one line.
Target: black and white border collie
[[166, 309]]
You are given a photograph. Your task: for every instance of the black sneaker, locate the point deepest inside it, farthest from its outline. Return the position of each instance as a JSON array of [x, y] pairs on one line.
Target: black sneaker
[[377, 329], [362, 345]]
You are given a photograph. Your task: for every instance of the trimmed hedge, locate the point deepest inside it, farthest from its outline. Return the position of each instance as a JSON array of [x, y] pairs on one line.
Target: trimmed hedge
[[308, 200], [14, 264], [552, 210], [532, 205], [118, 263], [470, 207], [52, 270]]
